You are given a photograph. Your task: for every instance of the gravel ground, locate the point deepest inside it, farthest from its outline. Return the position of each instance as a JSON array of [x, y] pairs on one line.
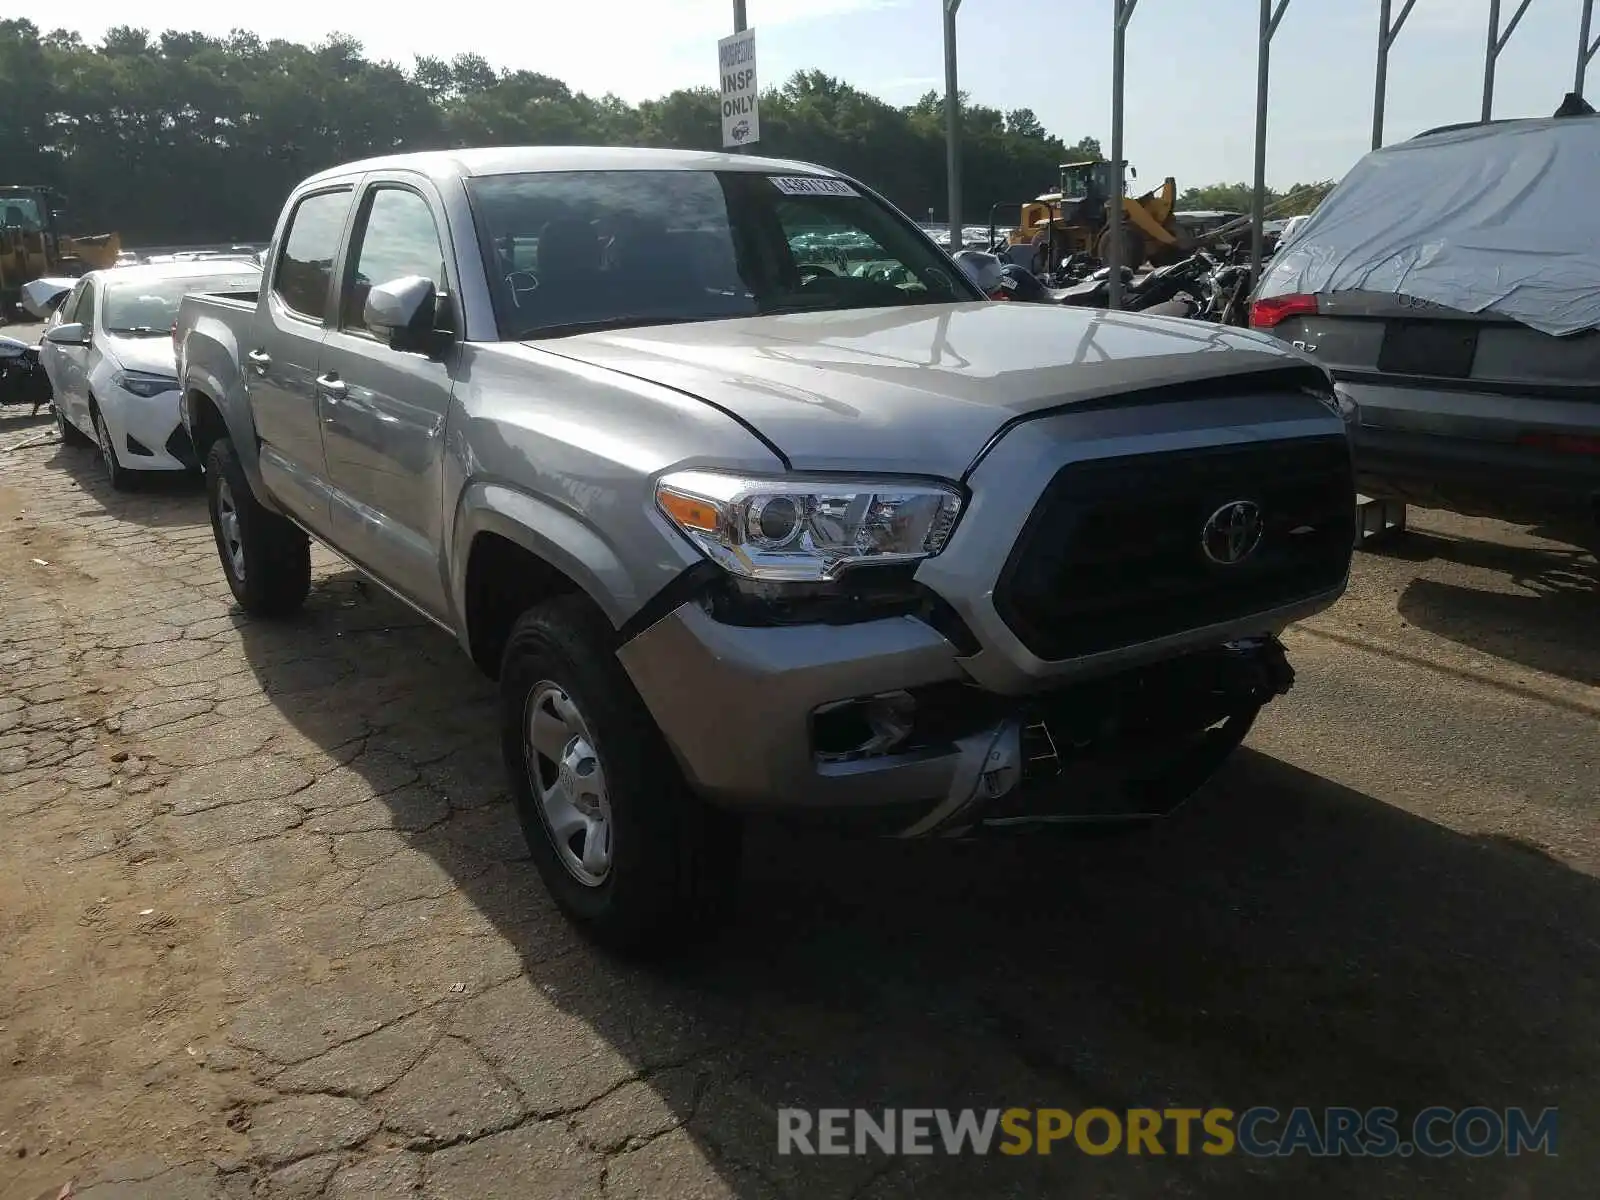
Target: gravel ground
[[270, 929]]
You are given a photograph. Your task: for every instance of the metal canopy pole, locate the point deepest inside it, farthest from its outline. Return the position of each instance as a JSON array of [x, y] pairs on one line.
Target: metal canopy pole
[[1387, 33], [1122, 13], [1586, 48], [952, 124], [740, 24], [1270, 17], [1496, 43]]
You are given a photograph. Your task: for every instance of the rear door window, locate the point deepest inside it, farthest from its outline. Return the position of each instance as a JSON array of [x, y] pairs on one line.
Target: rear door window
[[303, 276]]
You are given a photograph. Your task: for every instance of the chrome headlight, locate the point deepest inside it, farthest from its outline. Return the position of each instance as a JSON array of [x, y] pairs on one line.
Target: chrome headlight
[[807, 529], [143, 383]]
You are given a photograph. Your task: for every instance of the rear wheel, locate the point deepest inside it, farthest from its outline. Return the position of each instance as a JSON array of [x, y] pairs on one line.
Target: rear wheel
[[625, 848], [71, 435], [266, 558]]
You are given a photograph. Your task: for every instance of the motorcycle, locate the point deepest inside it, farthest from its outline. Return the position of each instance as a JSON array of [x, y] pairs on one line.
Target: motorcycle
[[22, 377]]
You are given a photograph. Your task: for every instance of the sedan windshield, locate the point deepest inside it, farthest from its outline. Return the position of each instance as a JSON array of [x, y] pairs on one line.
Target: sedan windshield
[[135, 307], [571, 251]]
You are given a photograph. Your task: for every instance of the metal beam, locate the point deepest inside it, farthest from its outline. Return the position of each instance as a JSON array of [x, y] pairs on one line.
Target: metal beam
[[952, 124], [1496, 43], [1270, 17], [740, 24], [1387, 32], [1122, 13], [1586, 48]]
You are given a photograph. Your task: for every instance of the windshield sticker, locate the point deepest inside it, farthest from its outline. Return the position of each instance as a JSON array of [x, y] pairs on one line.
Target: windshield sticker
[[811, 185]]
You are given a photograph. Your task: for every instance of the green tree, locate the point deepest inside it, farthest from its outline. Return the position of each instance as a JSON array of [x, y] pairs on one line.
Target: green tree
[[190, 137]]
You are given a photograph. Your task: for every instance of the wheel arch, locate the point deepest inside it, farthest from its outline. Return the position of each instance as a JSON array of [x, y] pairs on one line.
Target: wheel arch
[[511, 550]]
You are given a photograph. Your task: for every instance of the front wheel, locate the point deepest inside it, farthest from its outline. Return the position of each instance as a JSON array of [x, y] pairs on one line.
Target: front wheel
[[120, 477], [266, 558], [627, 851]]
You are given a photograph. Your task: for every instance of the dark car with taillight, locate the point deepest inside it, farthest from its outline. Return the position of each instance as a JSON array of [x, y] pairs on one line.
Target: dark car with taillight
[[1451, 285]]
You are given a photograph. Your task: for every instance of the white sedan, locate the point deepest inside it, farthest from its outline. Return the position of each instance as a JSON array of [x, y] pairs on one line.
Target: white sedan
[[109, 356]]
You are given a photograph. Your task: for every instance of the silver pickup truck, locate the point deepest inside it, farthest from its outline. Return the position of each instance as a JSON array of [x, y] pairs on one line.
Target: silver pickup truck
[[751, 501]]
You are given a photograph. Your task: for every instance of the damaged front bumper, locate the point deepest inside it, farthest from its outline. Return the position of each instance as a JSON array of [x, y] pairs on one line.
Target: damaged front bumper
[[1130, 747], [753, 715]]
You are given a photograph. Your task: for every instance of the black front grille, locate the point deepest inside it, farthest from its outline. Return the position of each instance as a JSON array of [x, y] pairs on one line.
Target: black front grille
[[181, 447], [1113, 556]]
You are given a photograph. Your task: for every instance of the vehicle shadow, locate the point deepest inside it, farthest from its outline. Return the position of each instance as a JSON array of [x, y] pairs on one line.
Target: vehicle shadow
[[1281, 941], [155, 499], [1555, 629]]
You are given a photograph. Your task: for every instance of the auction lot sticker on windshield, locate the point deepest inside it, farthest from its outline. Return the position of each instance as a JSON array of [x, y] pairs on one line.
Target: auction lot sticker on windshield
[[811, 185]]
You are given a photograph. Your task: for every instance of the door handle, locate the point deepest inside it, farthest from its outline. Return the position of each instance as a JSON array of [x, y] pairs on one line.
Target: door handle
[[259, 359], [332, 386]]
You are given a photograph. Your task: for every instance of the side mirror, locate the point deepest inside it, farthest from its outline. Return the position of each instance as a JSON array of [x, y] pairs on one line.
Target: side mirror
[[70, 334], [403, 313]]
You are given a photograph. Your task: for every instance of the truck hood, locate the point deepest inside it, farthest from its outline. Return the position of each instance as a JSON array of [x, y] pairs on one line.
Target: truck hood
[[918, 389]]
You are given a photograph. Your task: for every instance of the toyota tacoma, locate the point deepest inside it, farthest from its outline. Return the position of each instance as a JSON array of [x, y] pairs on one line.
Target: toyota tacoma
[[751, 501]]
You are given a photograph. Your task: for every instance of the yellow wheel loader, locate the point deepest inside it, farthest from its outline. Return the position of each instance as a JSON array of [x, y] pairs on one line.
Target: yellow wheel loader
[[31, 246], [1076, 219]]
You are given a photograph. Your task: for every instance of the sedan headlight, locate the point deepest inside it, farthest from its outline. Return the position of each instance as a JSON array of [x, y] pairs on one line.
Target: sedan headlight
[[143, 383], [804, 529]]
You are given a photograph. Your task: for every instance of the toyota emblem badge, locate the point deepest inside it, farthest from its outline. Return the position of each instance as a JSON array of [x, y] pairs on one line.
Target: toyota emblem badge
[[1232, 533]]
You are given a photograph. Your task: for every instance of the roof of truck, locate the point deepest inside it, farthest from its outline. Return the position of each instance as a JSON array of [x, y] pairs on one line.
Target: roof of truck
[[512, 160]]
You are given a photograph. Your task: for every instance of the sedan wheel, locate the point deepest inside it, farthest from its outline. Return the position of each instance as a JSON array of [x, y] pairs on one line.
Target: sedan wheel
[[120, 478]]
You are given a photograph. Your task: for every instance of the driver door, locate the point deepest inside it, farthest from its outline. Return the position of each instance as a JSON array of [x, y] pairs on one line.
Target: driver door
[[383, 411]]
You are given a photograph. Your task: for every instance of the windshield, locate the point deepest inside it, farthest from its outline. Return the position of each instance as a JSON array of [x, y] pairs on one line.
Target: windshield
[[150, 306], [573, 250], [21, 212]]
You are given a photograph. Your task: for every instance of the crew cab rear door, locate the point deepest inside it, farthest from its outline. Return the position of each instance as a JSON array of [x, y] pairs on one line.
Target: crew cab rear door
[[283, 346], [383, 410]]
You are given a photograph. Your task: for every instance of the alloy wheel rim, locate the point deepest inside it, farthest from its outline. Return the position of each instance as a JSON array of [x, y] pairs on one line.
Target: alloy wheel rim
[[103, 436], [568, 783], [228, 524]]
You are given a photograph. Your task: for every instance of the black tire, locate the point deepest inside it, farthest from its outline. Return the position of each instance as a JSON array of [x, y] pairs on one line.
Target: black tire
[[71, 435], [121, 479], [673, 860], [269, 570]]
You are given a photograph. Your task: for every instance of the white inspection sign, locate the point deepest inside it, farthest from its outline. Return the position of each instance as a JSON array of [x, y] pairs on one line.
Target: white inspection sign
[[741, 105]]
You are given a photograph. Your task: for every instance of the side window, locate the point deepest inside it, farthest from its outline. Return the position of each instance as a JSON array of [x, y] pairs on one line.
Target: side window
[[397, 237], [305, 265], [826, 241], [69, 306], [85, 310]]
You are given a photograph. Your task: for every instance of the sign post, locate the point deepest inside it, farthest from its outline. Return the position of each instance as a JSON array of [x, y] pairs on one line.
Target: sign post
[[741, 102]]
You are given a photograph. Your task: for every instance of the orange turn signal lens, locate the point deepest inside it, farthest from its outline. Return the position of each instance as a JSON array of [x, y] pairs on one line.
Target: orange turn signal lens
[[689, 511]]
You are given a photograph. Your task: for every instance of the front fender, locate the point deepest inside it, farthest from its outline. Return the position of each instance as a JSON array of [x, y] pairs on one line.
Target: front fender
[[553, 534]]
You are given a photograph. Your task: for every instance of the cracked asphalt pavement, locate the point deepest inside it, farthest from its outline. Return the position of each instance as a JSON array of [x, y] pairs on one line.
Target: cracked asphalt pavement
[[270, 929]]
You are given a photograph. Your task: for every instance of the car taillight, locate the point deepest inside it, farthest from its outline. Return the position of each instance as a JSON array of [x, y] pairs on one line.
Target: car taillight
[[1562, 443], [1266, 313]]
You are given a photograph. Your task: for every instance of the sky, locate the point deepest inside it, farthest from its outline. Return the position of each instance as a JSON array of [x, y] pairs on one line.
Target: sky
[[1191, 64]]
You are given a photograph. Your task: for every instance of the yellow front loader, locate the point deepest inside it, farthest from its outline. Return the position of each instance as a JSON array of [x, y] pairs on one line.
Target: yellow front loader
[[1075, 219], [31, 247]]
